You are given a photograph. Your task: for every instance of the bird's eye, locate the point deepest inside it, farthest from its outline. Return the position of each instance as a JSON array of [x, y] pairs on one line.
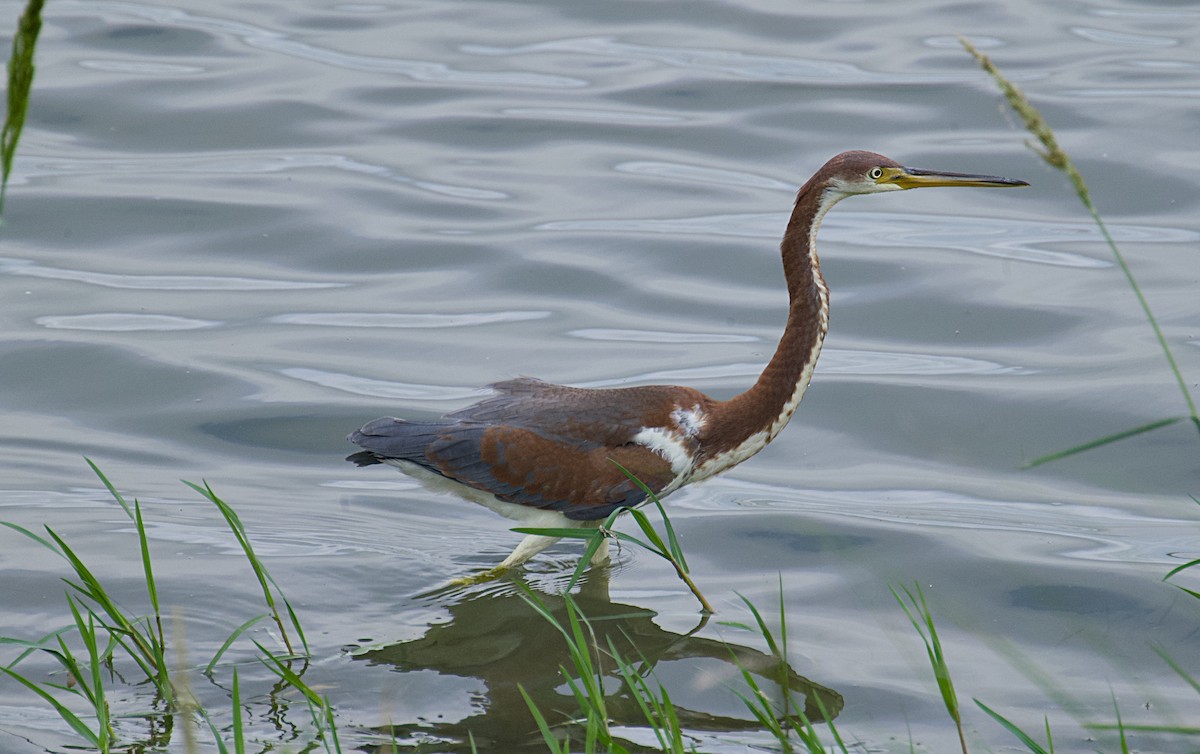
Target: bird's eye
[[876, 173]]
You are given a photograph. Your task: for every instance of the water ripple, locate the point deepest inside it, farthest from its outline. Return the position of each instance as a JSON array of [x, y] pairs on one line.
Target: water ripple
[[710, 176], [248, 163], [999, 237], [730, 62], [1112, 534], [592, 115], [847, 361], [834, 361], [156, 282], [1107, 36], [1157, 92], [413, 321], [140, 67], [265, 39], [124, 322], [657, 336], [349, 383]]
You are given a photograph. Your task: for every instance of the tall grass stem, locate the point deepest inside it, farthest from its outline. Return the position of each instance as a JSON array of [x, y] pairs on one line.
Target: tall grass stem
[[1056, 157]]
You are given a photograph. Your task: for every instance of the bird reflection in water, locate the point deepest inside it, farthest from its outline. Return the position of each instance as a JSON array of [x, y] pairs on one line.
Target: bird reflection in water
[[496, 638]]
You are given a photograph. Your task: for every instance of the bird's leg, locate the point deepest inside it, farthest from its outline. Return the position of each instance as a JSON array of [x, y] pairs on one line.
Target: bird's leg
[[526, 549], [601, 556]]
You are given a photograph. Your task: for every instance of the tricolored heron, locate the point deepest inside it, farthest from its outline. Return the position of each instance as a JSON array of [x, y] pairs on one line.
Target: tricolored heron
[[544, 454]]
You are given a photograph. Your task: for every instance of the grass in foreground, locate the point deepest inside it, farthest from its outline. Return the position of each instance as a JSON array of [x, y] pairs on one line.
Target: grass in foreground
[[102, 636], [918, 613], [1056, 157], [107, 635], [783, 717], [780, 715], [20, 82]]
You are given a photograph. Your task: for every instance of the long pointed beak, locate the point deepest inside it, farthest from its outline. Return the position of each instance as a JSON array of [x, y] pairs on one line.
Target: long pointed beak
[[918, 178]]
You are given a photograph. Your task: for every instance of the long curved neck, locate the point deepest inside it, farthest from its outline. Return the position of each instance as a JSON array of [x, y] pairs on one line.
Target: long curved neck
[[750, 420]]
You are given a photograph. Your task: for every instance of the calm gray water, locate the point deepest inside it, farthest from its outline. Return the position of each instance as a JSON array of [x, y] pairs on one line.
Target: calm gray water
[[239, 230]]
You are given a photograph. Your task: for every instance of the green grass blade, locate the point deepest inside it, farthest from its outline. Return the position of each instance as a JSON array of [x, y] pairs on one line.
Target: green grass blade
[[1178, 730], [287, 605], [91, 588], [1011, 727], [735, 624], [40, 540], [145, 663], [218, 739], [1120, 726], [148, 570], [659, 547], [837, 737], [35, 644], [75, 681], [541, 609], [766, 632], [67, 715], [237, 632], [281, 668], [759, 705], [672, 537], [294, 620], [260, 571], [547, 734], [20, 81], [642, 696], [327, 725], [652, 496], [239, 734], [922, 620], [96, 693], [1189, 591], [112, 490], [1179, 670], [1184, 567], [1100, 442], [598, 537], [784, 664], [87, 633]]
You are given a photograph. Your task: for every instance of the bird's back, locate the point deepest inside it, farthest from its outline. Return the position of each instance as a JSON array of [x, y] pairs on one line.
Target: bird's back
[[551, 447]]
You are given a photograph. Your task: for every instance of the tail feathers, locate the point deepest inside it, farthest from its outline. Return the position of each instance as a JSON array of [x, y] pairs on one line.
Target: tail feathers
[[391, 438], [363, 458]]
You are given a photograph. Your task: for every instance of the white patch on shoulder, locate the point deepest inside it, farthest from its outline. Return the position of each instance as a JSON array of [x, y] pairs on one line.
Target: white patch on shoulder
[[689, 420], [670, 446]]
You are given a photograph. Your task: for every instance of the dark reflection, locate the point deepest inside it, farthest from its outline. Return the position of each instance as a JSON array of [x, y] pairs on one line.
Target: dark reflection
[[498, 639]]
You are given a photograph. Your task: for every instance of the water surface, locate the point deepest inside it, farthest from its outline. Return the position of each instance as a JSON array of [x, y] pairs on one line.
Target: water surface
[[238, 231]]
